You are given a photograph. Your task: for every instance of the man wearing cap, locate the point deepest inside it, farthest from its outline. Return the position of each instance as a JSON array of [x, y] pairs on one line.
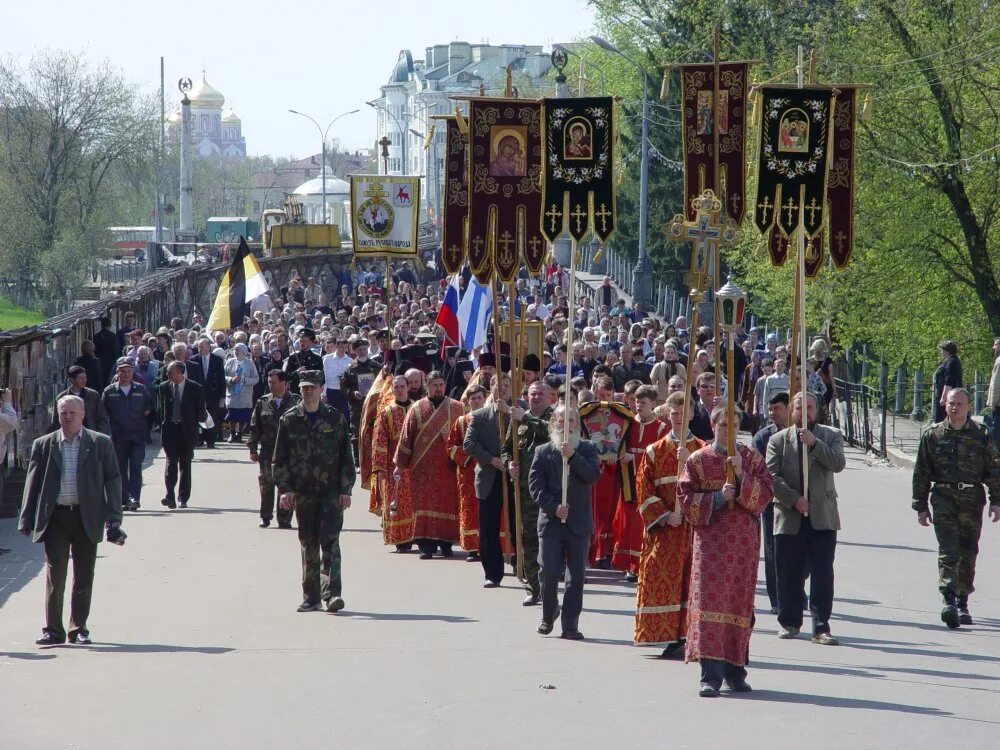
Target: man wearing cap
[[267, 413], [314, 471], [127, 405], [95, 417], [355, 383], [304, 359]]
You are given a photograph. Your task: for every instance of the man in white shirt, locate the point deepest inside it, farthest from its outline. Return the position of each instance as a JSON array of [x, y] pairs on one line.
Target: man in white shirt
[[335, 365]]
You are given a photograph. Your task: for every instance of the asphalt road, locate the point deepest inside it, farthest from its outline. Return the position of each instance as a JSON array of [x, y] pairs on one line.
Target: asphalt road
[[198, 644]]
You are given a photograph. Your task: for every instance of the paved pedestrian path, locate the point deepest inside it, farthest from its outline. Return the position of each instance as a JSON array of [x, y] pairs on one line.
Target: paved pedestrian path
[[198, 645]]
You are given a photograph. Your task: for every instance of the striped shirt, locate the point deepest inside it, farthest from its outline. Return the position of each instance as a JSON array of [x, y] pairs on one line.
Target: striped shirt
[[67, 483]]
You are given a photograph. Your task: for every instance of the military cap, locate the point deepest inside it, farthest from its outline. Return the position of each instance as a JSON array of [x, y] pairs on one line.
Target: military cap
[[310, 377], [124, 362]]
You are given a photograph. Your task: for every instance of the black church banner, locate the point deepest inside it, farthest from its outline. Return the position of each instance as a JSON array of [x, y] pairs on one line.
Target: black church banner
[[456, 203], [795, 146], [840, 190], [578, 184]]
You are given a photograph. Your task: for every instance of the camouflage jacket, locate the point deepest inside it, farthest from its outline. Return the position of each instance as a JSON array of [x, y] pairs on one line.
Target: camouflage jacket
[[948, 456], [313, 458], [264, 423], [531, 433]]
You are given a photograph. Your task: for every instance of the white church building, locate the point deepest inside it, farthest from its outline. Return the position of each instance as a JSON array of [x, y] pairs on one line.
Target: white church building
[[215, 133]]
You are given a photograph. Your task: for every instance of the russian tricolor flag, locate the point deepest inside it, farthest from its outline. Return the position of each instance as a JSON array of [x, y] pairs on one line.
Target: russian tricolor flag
[[447, 316]]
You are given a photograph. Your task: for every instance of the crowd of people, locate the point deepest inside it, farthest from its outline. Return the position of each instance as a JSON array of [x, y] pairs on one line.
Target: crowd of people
[[573, 455]]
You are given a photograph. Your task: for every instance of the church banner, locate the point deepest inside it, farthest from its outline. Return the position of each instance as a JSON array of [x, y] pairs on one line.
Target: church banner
[[384, 214], [840, 189], [456, 204], [578, 184], [795, 146], [697, 135], [505, 197]]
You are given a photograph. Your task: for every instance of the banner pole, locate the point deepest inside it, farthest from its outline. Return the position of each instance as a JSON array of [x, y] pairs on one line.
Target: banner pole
[[388, 296], [515, 389], [696, 295], [501, 430], [569, 367]]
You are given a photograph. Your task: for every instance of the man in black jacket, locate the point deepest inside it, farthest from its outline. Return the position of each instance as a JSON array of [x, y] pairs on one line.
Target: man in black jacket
[[304, 359], [93, 366], [94, 416], [107, 350], [182, 404], [208, 370]]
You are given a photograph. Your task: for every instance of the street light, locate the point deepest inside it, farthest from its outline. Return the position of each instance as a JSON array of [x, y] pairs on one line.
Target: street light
[[323, 134], [642, 276]]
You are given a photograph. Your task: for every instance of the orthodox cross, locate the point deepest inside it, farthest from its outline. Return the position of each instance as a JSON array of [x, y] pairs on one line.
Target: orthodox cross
[[374, 192], [385, 143], [534, 242], [840, 238], [790, 207], [553, 215], [454, 252], [603, 214], [812, 207], [477, 244], [505, 242], [577, 215], [708, 233], [766, 206]]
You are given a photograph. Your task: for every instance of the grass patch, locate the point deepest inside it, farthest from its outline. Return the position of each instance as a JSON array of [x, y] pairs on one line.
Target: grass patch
[[13, 316]]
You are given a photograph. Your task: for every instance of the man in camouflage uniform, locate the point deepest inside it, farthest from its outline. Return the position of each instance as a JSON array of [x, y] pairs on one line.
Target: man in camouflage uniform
[[532, 431], [267, 412], [355, 383], [958, 457], [314, 470]]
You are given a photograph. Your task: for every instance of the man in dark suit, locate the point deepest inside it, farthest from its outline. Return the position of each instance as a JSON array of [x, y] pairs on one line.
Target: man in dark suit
[[564, 530], [72, 492], [107, 350], [94, 367], [482, 442], [182, 404], [208, 370], [95, 418]]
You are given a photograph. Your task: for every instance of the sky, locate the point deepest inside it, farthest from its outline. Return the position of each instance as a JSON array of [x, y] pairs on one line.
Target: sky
[[320, 57]]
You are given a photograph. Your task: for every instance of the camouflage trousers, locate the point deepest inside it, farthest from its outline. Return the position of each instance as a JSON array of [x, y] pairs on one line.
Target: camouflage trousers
[[268, 491], [529, 537], [958, 522], [320, 520]]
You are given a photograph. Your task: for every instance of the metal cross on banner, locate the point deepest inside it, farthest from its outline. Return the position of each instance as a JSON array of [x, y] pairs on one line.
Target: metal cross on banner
[[708, 233]]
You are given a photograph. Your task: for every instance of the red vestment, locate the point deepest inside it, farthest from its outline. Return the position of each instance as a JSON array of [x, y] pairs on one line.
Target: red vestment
[[369, 413], [627, 525], [665, 565], [465, 475], [393, 499], [725, 554], [606, 424], [423, 455]]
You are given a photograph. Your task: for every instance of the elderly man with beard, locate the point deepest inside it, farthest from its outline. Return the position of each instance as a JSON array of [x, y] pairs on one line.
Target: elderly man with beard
[[563, 530], [416, 384]]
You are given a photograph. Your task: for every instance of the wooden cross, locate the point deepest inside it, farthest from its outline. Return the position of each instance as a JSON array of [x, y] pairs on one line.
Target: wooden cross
[[766, 205], [603, 215], [553, 215], [812, 207], [578, 214], [790, 207]]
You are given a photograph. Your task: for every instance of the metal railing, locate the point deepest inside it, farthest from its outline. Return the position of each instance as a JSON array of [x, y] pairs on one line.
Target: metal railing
[[860, 413]]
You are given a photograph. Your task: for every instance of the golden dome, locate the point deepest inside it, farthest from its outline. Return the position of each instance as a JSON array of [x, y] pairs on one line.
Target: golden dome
[[205, 95]]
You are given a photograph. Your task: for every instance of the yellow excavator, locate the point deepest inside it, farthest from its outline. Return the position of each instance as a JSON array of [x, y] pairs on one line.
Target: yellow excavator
[[284, 233]]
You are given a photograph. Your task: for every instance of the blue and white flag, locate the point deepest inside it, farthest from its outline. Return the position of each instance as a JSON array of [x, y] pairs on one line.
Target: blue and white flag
[[474, 314]]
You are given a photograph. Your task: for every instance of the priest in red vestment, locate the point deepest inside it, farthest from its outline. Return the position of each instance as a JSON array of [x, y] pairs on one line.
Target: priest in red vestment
[[465, 475], [628, 527], [369, 413], [423, 455], [665, 564], [725, 555], [391, 495]]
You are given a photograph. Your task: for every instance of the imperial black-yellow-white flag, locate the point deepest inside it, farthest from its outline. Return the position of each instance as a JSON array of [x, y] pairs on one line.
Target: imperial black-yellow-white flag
[[240, 284]]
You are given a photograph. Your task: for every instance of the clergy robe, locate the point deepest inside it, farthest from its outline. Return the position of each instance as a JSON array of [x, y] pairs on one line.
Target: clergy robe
[[465, 476], [423, 455], [606, 424], [374, 400], [627, 526], [392, 499], [665, 565], [725, 554]]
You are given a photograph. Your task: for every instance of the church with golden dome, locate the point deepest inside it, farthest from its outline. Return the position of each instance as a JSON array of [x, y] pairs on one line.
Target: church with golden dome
[[215, 131]]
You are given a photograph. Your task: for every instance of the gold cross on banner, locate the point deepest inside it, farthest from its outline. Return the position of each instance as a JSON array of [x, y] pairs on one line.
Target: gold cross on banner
[[453, 252], [578, 214], [766, 206], [505, 242], [553, 215], [477, 243], [533, 243], [708, 233], [603, 215], [374, 191], [790, 207], [841, 239], [812, 207]]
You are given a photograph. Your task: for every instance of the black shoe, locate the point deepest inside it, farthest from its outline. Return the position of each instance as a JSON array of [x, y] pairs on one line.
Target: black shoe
[[604, 563], [81, 638], [949, 612], [963, 616], [284, 524], [403, 548], [134, 505], [233, 438], [488, 584], [264, 523], [169, 502], [544, 628], [426, 555], [572, 635], [532, 599], [708, 691], [774, 610], [673, 651], [183, 504], [48, 639], [447, 551], [335, 604], [309, 605], [739, 686], [631, 577], [211, 445], [472, 557]]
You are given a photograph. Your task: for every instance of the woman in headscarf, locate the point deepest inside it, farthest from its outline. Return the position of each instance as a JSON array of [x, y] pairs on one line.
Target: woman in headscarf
[[241, 376], [459, 377]]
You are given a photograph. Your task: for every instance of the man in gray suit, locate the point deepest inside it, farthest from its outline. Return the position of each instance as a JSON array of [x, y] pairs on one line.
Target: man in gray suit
[[805, 527], [72, 492], [564, 531], [482, 442]]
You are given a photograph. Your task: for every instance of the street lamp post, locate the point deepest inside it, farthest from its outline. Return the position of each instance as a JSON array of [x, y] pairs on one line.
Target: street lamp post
[[323, 134], [642, 274]]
